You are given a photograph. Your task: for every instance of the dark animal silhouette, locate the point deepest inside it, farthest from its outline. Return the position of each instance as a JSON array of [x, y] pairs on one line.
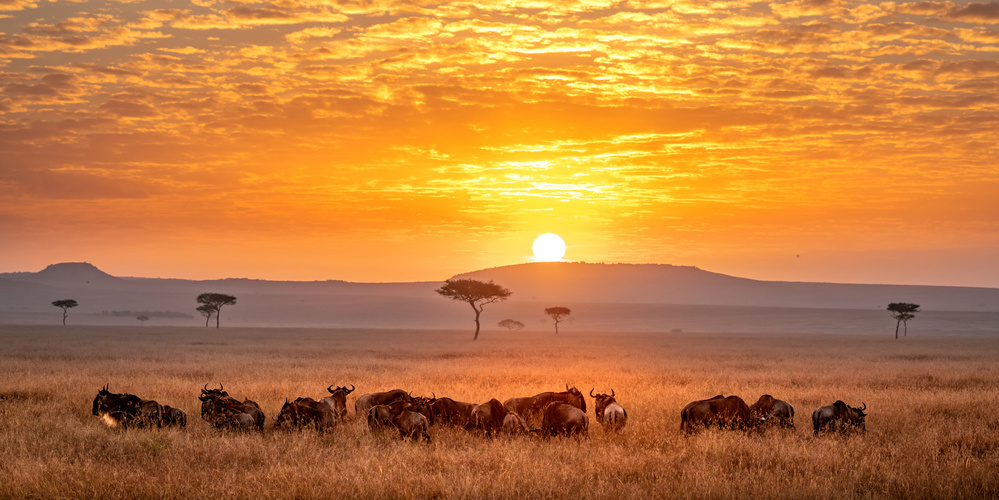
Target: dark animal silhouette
[[561, 419], [773, 412], [226, 412], [610, 414], [306, 412], [724, 412], [839, 417], [127, 410]]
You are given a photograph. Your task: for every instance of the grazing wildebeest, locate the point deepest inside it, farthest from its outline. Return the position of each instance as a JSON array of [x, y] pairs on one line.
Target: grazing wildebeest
[[530, 407], [514, 425], [366, 401], [338, 400], [609, 413], [174, 417], [380, 417], [773, 412], [306, 412], [731, 412], [450, 412], [563, 419], [226, 412], [411, 424], [127, 410], [488, 416], [839, 417], [423, 405]]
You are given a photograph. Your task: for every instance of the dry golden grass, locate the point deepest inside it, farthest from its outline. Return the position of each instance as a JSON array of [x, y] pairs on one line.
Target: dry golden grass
[[933, 424]]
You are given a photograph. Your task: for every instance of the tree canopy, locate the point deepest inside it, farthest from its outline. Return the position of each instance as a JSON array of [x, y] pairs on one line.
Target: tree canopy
[[902, 312], [558, 313], [213, 302], [475, 293], [66, 305], [511, 324]]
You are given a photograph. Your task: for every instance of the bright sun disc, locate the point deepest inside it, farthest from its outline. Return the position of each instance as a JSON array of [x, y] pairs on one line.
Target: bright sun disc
[[548, 247]]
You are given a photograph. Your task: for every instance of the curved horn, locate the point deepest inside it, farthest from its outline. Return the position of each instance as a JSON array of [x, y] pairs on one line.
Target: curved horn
[[566, 387], [221, 387], [330, 389], [204, 390], [612, 392], [591, 393], [351, 389], [864, 408], [433, 395]]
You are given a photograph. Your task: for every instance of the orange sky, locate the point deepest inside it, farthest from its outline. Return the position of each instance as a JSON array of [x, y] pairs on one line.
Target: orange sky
[[393, 141]]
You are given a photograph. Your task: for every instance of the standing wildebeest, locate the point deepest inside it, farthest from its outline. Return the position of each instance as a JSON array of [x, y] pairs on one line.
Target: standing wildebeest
[[488, 416], [411, 424], [380, 417], [773, 412], [563, 419], [305, 412], [226, 412], [450, 412], [127, 410], [609, 413], [174, 417], [366, 401], [839, 417], [529, 407], [338, 400], [731, 412]]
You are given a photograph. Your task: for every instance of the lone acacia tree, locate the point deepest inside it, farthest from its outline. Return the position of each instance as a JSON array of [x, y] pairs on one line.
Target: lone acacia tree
[[142, 319], [558, 313], [903, 312], [206, 311], [214, 303], [511, 324], [475, 293], [66, 305]]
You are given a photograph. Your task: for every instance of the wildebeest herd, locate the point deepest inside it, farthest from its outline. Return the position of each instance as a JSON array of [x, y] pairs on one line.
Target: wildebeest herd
[[548, 413]]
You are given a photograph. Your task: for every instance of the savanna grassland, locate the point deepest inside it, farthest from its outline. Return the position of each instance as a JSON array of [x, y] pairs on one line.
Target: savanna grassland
[[933, 414]]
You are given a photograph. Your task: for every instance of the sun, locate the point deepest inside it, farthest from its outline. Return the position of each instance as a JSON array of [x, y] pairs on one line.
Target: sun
[[548, 247]]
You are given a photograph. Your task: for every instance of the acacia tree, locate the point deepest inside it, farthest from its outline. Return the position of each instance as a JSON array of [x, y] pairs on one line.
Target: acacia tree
[[903, 312], [66, 305], [142, 319], [475, 293], [214, 302], [206, 311], [558, 313], [511, 324]]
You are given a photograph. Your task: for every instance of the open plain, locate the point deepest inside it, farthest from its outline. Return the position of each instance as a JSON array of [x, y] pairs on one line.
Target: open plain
[[932, 425]]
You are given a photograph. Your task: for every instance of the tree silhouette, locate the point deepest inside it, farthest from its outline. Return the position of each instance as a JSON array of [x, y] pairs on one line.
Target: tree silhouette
[[214, 302], [206, 311], [142, 319], [475, 293], [511, 324], [66, 305], [558, 313], [903, 312]]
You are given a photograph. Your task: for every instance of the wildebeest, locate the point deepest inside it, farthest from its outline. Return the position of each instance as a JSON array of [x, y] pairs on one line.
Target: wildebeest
[[366, 401], [773, 412], [530, 407], [127, 410], [563, 419], [226, 412], [411, 424], [609, 413], [422, 405], [731, 412], [450, 412], [380, 417], [839, 417], [174, 417], [306, 412], [338, 400], [488, 416], [514, 425]]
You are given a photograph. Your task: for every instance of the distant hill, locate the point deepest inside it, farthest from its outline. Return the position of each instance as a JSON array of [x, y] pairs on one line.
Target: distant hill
[[667, 284], [624, 297]]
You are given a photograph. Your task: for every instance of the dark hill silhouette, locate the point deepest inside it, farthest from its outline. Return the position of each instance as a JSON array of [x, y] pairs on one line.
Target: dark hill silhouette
[[71, 274]]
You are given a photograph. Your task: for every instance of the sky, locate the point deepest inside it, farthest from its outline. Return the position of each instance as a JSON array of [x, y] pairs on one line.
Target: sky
[[376, 140]]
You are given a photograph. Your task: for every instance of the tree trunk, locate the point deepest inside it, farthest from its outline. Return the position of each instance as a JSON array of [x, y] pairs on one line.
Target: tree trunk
[[63, 317], [905, 329], [478, 311], [218, 314], [556, 327], [896, 329]]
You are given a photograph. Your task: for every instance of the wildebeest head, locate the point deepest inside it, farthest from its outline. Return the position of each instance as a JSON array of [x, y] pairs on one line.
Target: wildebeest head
[[211, 399], [339, 397], [853, 416], [101, 401], [575, 397]]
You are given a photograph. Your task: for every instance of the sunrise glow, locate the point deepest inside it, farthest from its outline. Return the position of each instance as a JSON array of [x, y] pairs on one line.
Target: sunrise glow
[[391, 141]]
